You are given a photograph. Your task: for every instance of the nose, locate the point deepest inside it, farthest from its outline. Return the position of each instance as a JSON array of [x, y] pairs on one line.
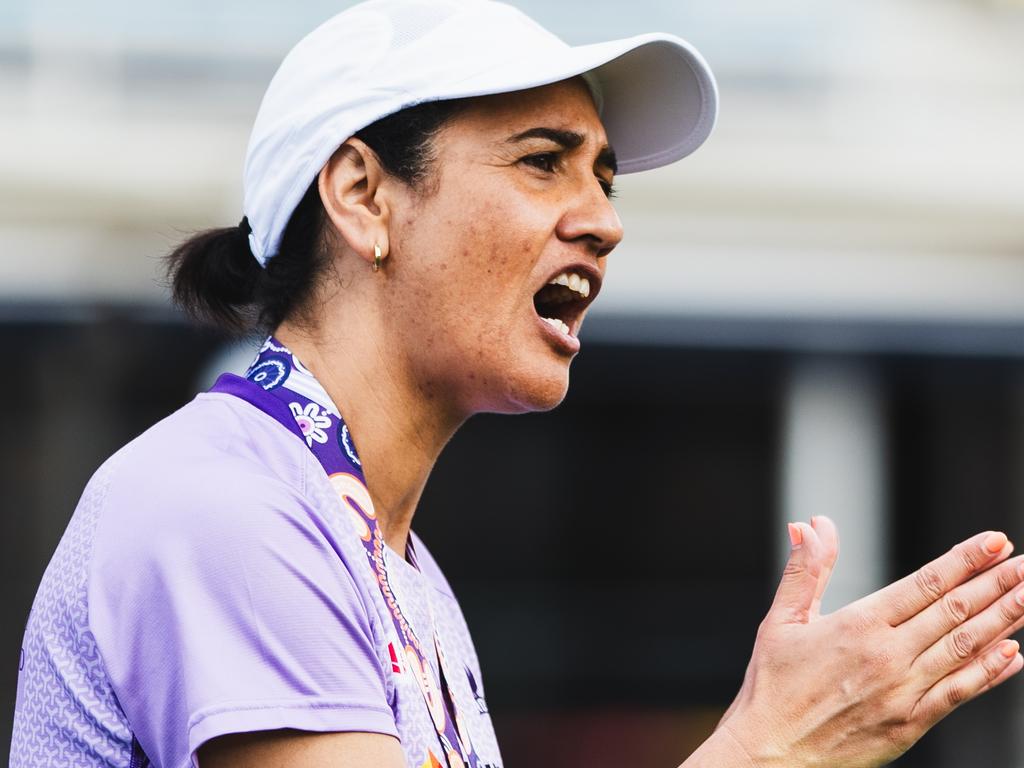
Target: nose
[[591, 219]]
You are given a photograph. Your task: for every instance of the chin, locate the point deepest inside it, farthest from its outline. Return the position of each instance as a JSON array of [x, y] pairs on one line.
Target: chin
[[540, 391]]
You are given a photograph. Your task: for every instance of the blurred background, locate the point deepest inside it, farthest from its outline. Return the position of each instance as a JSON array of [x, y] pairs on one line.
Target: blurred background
[[822, 311]]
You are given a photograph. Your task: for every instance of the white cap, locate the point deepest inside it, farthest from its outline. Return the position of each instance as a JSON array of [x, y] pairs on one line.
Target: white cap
[[655, 93]]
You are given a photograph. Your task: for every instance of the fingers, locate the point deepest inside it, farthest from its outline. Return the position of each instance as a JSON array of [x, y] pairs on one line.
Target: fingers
[[982, 674], [1015, 666], [799, 584], [1017, 626], [954, 649], [829, 537], [912, 594], [960, 604]]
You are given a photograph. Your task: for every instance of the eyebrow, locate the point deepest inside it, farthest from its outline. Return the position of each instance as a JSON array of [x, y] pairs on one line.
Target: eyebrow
[[567, 140]]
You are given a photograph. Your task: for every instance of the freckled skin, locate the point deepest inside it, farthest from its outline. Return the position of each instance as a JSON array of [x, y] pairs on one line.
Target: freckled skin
[[468, 285]]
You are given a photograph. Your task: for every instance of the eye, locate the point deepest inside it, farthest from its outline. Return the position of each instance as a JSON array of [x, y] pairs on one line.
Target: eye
[[544, 161], [608, 187]]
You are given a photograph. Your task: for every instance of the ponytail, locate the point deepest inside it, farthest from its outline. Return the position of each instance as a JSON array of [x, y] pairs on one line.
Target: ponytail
[[217, 281], [214, 277]]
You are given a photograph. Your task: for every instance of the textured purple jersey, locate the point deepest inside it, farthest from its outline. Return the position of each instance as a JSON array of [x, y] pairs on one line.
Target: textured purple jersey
[[208, 583]]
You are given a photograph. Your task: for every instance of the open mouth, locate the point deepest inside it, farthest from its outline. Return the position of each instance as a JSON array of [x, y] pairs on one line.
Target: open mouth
[[563, 299]]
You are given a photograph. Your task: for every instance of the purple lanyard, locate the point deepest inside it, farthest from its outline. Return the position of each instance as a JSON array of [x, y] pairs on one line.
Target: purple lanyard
[[328, 438]]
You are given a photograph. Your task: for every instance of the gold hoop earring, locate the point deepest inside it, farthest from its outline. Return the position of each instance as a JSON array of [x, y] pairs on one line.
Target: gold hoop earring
[[376, 257]]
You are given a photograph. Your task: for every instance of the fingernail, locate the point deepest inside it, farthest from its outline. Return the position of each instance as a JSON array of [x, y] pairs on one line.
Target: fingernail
[[1009, 648], [796, 536], [995, 542], [1019, 597], [1020, 571]]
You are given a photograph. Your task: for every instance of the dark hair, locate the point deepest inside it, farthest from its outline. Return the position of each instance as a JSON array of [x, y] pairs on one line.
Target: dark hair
[[216, 279]]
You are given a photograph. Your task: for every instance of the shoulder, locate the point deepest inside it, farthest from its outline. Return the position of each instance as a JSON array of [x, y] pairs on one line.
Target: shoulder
[[217, 482], [225, 595], [218, 434], [213, 459]]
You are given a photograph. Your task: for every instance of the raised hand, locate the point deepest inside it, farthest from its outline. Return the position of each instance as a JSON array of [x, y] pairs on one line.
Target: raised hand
[[859, 686]]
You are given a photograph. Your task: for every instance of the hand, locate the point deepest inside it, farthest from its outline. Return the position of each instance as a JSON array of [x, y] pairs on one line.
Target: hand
[[858, 687]]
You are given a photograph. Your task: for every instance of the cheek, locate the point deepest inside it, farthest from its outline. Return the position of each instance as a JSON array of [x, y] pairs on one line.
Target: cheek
[[468, 311], [483, 264]]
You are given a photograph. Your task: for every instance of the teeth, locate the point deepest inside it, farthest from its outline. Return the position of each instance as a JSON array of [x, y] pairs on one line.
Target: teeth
[[557, 324], [573, 282]]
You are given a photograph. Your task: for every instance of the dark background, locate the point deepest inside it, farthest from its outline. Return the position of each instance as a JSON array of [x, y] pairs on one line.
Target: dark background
[[613, 557]]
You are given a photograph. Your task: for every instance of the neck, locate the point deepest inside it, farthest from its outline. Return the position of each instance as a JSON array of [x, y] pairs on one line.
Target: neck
[[397, 426]]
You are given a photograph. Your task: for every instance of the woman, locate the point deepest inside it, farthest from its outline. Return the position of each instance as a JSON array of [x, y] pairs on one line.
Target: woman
[[428, 219]]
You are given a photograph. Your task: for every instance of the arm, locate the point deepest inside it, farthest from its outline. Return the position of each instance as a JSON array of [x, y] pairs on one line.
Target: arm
[[721, 750], [849, 690], [297, 749], [859, 687]]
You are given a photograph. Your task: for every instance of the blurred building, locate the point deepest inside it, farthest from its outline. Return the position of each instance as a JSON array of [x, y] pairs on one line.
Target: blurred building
[[822, 311]]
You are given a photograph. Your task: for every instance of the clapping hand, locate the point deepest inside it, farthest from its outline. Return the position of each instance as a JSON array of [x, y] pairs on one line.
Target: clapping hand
[[859, 686]]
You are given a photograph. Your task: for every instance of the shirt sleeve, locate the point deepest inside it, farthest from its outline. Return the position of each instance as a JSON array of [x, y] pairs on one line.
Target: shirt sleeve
[[224, 606]]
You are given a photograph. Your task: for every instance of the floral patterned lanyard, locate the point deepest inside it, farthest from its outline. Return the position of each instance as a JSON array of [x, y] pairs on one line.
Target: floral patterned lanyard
[[280, 386]]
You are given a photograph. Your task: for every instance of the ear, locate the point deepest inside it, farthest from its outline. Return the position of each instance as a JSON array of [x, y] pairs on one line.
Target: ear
[[350, 186]]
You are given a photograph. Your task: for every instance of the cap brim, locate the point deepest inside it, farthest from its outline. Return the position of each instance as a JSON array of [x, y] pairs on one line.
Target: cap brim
[[659, 96]]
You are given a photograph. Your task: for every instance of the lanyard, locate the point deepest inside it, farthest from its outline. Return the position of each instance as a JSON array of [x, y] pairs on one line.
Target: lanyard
[[280, 386]]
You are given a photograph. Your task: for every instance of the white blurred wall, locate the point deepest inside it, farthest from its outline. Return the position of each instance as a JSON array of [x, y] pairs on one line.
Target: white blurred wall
[[867, 162]]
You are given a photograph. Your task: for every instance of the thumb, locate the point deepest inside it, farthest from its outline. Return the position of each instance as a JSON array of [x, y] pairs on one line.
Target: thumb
[[799, 585], [829, 538]]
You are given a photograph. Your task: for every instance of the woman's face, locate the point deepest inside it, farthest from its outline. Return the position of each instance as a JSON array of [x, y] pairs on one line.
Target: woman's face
[[517, 200]]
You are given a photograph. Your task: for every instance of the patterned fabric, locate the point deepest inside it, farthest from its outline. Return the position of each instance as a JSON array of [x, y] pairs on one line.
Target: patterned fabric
[[66, 712], [207, 584]]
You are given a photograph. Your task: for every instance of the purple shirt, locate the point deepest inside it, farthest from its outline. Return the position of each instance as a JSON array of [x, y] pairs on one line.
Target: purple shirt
[[208, 584]]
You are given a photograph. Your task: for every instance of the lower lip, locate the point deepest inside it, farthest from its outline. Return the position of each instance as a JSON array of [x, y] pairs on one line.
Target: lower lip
[[564, 343]]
